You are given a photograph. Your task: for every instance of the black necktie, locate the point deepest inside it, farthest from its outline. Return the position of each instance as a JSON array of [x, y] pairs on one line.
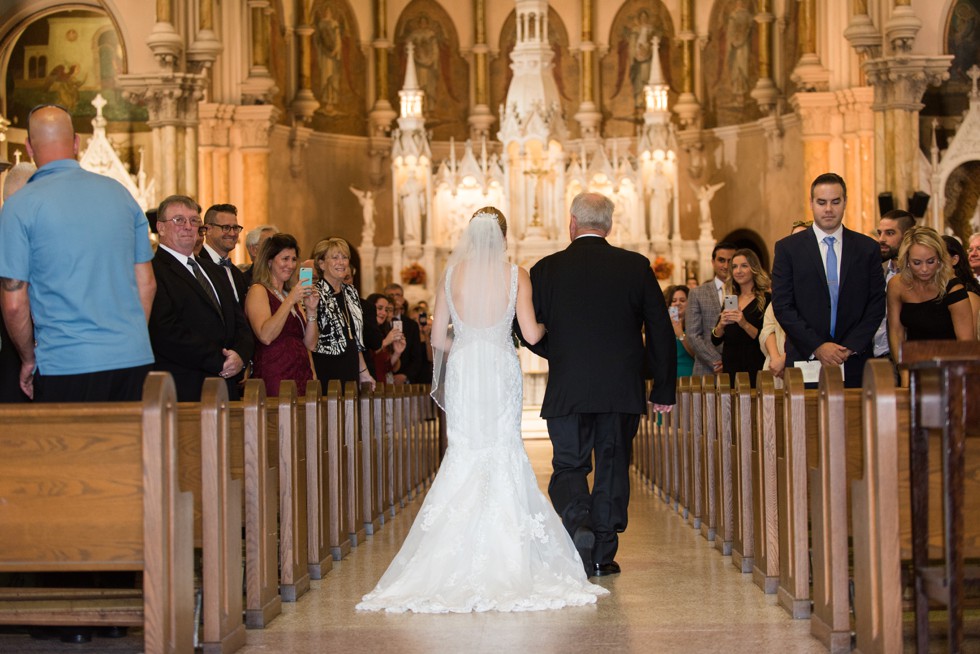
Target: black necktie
[[205, 284], [224, 261]]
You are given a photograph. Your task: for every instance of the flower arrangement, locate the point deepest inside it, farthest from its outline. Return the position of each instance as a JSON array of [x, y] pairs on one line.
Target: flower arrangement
[[413, 274], [662, 268]]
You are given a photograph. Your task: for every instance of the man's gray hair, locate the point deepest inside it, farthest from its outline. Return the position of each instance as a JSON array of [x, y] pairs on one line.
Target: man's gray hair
[[17, 177], [252, 238], [593, 211]]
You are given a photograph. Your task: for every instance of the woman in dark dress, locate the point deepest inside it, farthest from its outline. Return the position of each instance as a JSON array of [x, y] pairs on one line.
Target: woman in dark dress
[[282, 316], [386, 359], [962, 272], [339, 350], [739, 328], [925, 300]]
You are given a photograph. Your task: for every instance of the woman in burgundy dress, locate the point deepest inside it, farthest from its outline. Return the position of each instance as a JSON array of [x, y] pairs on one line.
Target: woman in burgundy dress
[[283, 317]]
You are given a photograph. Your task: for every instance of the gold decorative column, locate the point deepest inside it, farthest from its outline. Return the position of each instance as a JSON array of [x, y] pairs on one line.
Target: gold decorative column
[[765, 92], [687, 108], [809, 73], [588, 115], [818, 113], [254, 123], [164, 41], [859, 157], [382, 114], [480, 118], [258, 87]]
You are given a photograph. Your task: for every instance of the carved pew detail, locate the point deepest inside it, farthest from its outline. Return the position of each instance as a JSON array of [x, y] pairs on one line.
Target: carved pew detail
[[319, 558], [726, 457], [743, 538], [794, 542]]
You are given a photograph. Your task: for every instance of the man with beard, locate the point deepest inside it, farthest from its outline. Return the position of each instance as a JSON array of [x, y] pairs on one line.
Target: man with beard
[[891, 230]]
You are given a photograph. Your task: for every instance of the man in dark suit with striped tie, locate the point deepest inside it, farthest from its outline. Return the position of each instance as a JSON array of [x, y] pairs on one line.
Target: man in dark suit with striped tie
[[597, 301], [828, 288]]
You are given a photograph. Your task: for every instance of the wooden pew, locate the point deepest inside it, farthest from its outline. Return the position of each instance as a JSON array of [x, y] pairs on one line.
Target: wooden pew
[[340, 545], [765, 527], [724, 500], [319, 558], [673, 456], [685, 445], [830, 621], [793, 518], [371, 423], [254, 457], [92, 488], [743, 538], [204, 469], [875, 517], [712, 467], [294, 576], [352, 466], [698, 483]]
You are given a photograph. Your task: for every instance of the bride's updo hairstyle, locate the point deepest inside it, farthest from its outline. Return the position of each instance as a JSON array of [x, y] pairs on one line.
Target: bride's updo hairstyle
[[496, 214]]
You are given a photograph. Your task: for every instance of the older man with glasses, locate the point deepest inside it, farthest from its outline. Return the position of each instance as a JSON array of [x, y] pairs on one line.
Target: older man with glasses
[[77, 283], [221, 231]]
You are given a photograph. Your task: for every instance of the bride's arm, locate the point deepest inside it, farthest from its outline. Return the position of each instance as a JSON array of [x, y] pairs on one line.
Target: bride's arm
[[439, 334], [532, 330]]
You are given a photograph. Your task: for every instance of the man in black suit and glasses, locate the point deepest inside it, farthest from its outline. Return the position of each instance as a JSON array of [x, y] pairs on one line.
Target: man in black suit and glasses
[[596, 301]]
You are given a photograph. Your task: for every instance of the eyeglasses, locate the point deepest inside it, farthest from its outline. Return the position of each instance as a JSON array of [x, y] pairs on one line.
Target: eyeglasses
[[181, 221], [228, 229]]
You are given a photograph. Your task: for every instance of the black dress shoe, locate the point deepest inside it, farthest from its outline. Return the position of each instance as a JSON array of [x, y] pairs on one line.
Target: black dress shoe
[[584, 540], [605, 569]]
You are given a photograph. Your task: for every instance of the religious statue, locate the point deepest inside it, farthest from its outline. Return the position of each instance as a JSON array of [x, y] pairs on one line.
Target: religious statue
[[410, 195], [329, 41], [705, 192], [738, 32], [366, 198], [661, 192]]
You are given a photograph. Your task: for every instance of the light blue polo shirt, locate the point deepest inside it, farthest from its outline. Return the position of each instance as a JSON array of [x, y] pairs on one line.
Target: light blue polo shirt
[[75, 237]]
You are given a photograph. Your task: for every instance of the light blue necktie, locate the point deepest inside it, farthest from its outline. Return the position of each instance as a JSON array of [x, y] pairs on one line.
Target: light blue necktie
[[833, 285]]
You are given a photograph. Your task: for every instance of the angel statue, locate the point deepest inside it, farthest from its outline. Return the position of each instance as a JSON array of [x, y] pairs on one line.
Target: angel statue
[[705, 192], [366, 198]]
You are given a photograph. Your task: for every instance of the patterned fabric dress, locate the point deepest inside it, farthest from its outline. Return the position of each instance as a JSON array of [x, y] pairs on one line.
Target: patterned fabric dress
[[284, 358]]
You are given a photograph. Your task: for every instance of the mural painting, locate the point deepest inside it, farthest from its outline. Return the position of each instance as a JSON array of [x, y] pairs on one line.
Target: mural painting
[[962, 206], [443, 74], [963, 39], [68, 58], [731, 64], [340, 71], [625, 70], [565, 69]]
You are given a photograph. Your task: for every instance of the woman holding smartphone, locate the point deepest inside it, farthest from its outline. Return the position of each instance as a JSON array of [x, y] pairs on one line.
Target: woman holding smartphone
[[339, 351], [676, 298], [746, 298], [282, 317]]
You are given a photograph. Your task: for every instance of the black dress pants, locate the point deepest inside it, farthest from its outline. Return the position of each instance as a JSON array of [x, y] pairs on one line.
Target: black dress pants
[[574, 438]]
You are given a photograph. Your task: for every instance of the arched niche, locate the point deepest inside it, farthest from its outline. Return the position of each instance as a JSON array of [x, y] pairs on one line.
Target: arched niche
[[747, 238], [83, 55], [955, 185]]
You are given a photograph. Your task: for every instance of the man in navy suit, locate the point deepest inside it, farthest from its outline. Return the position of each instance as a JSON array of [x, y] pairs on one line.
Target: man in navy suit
[[606, 317], [828, 288]]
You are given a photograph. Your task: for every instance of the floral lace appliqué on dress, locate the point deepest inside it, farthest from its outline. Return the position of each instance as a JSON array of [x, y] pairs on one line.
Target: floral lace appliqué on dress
[[486, 538]]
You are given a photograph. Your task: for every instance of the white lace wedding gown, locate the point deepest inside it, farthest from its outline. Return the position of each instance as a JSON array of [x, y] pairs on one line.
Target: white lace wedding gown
[[486, 538]]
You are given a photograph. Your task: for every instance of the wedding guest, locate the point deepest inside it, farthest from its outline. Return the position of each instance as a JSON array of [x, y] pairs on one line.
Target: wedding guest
[[961, 269], [385, 360], [772, 338], [925, 300], [738, 328], [339, 351], [676, 299], [282, 315]]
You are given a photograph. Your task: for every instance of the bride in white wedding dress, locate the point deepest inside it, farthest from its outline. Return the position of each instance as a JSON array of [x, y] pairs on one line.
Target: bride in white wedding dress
[[486, 538]]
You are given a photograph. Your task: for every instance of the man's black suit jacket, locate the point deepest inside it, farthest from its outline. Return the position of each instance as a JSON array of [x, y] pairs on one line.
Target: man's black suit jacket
[[594, 300], [801, 301], [241, 284], [186, 331]]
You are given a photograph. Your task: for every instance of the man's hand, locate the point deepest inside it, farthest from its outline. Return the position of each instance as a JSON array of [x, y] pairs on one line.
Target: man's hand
[[233, 364], [663, 408], [831, 354], [27, 379], [717, 366]]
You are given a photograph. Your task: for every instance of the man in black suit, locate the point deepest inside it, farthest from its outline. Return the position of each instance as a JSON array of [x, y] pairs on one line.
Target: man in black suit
[[828, 288], [596, 300], [413, 358], [197, 329], [220, 238]]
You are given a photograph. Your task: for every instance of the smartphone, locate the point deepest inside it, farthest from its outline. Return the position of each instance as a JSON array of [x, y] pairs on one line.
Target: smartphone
[[423, 318], [731, 303], [675, 313], [396, 325], [306, 277]]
